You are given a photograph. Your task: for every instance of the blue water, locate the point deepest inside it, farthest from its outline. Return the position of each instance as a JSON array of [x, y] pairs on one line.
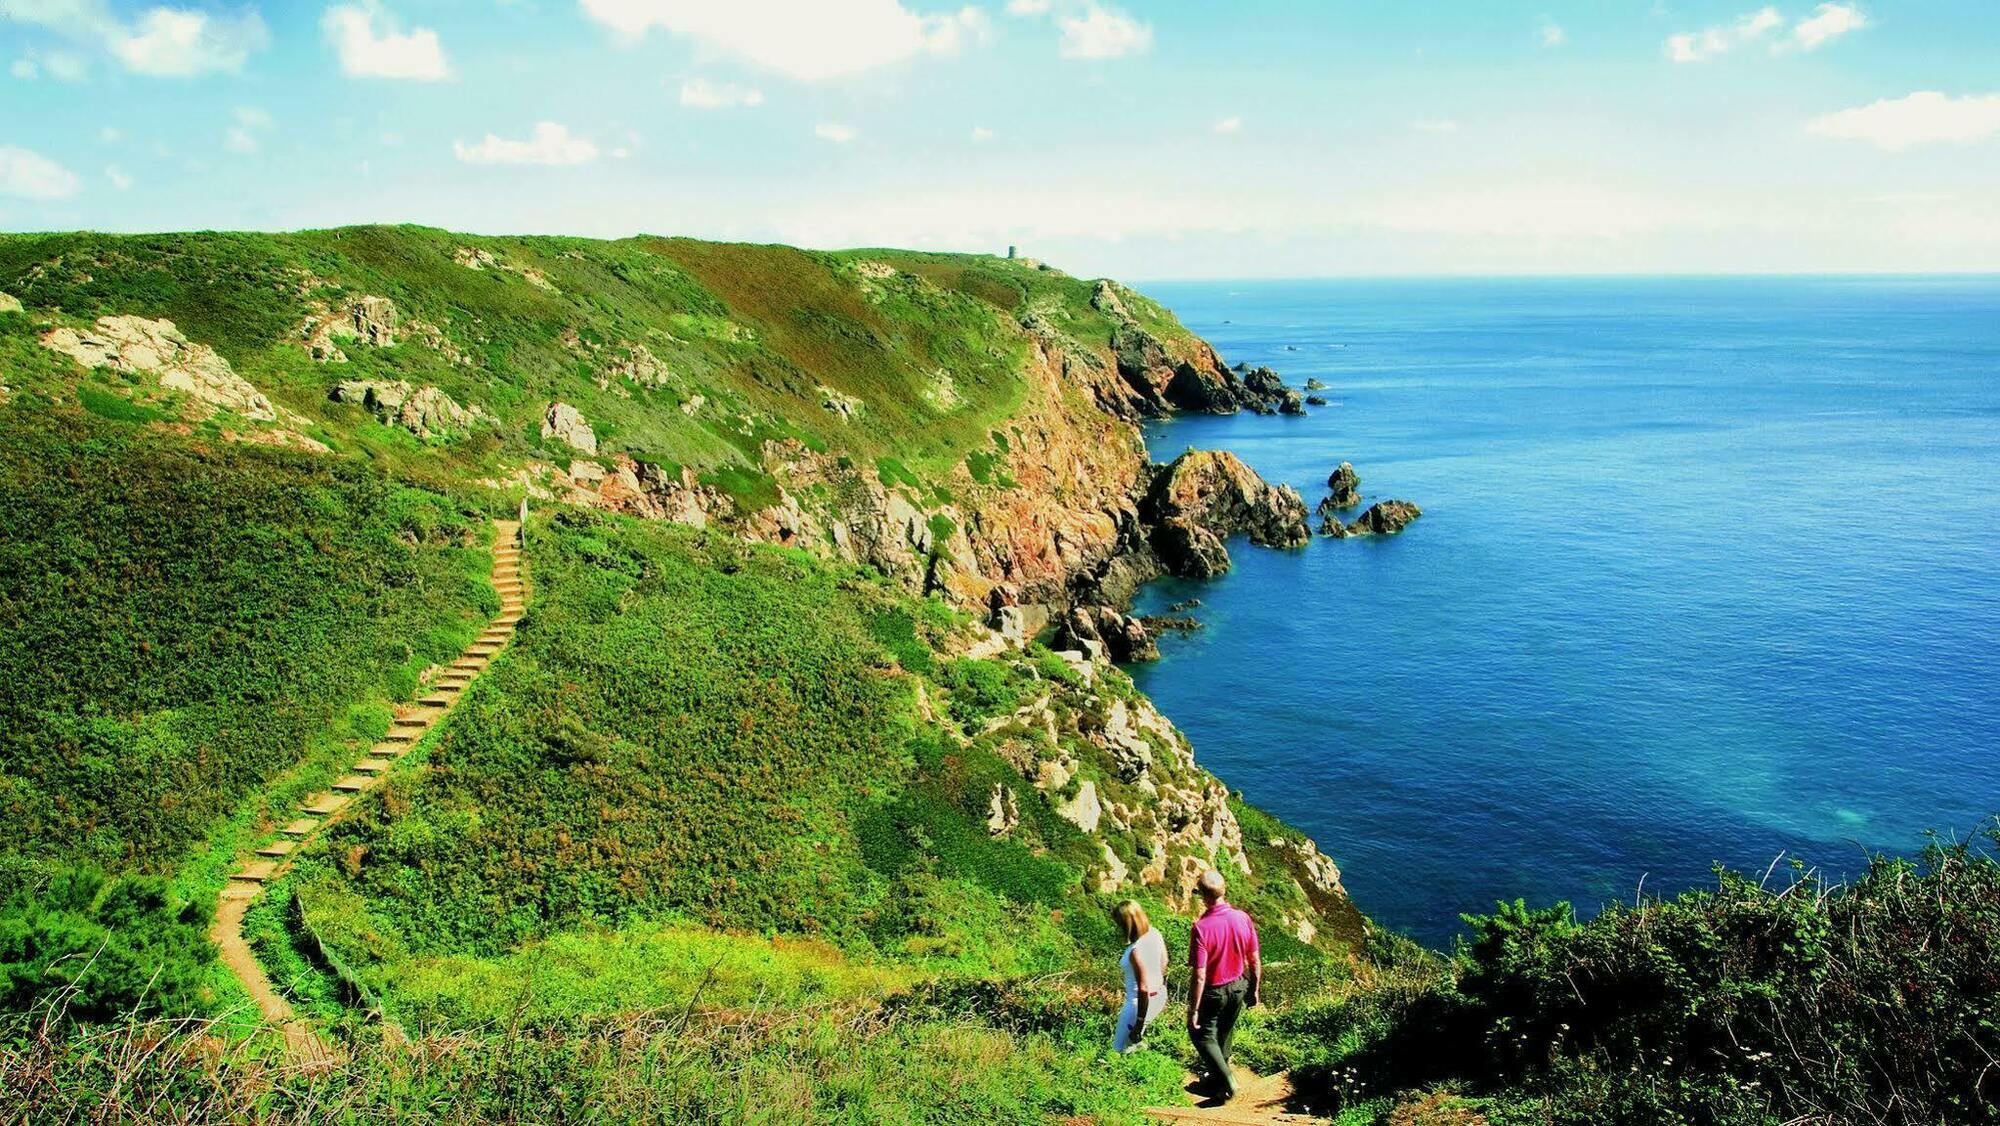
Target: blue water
[[1709, 571]]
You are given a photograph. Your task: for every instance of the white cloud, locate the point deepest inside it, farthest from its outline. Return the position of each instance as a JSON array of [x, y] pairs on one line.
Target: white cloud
[[371, 44], [1435, 125], [1553, 35], [24, 69], [118, 177], [549, 144], [30, 175], [181, 43], [1926, 117], [1029, 7], [981, 134], [110, 135], [809, 40], [64, 67], [829, 131], [1694, 46], [1102, 32], [1229, 125], [1827, 23], [700, 93], [245, 136]]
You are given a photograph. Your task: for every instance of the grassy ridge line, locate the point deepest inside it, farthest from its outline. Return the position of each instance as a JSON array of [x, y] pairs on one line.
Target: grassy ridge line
[[749, 340]]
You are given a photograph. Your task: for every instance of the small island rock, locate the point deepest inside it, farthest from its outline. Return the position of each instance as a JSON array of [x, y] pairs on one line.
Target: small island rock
[[1385, 518]]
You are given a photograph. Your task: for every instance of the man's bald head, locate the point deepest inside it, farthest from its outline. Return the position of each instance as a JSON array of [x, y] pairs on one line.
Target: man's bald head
[[1211, 885]]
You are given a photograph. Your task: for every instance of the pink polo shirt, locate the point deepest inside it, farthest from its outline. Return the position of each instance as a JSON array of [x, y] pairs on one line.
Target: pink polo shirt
[[1223, 940]]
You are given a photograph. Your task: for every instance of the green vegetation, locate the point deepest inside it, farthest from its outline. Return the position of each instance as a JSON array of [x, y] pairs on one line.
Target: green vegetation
[[1873, 1002], [186, 621]]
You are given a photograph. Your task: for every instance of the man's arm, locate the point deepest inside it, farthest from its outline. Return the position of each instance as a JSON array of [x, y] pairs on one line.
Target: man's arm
[[1256, 969]]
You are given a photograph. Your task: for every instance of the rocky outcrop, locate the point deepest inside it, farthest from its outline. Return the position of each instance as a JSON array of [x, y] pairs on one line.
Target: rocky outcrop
[[1315, 385], [9, 303], [1345, 484], [566, 424], [424, 411], [1105, 630], [1003, 812], [1205, 496], [1316, 400], [137, 346], [1385, 518]]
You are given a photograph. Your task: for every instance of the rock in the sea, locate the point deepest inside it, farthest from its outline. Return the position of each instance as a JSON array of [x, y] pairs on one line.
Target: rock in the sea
[[566, 424], [1316, 400], [1346, 486], [9, 303], [1265, 382], [137, 346], [423, 411], [1204, 496], [1385, 518], [1290, 403], [1315, 385]]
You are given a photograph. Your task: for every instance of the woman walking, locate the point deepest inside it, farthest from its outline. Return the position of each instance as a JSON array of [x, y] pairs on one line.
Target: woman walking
[[1145, 963]]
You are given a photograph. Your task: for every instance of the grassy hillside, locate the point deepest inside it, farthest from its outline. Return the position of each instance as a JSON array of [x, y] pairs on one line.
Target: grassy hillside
[[745, 342]]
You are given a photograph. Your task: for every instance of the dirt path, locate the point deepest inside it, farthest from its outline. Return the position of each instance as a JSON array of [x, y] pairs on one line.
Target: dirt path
[[1260, 1101], [412, 722]]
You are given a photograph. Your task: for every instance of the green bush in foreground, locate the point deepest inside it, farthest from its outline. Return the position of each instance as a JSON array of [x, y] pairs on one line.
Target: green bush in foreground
[[1877, 1002], [93, 948]]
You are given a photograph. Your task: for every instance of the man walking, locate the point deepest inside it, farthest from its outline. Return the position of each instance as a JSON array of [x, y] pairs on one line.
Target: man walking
[[1222, 953]]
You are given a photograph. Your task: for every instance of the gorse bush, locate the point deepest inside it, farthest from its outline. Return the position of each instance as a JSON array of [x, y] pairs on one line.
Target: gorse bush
[[1877, 1002], [85, 946], [179, 622]]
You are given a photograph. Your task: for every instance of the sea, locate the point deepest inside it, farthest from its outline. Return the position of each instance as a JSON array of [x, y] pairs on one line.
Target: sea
[[1708, 574]]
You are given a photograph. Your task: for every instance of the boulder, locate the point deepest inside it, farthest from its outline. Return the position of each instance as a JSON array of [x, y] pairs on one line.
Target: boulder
[[1204, 496], [1290, 403], [1346, 486], [1114, 873], [1265, 382], [423, 411], [1003, 812], [1123, 637], [374, 320], [1385, 518], [1315, 385], [9, 303], [137, 346], [567, 425], [1316, 400], [1084, 810], [1211, 392]]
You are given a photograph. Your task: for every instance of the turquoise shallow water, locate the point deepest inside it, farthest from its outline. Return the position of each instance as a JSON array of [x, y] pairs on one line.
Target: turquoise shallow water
[[1709, 571]]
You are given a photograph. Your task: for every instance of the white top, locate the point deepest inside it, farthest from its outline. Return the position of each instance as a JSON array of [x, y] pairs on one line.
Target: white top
[[1151, 950]]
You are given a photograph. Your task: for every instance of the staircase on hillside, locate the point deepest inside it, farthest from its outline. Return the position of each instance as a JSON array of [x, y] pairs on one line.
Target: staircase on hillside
[[410, 725]]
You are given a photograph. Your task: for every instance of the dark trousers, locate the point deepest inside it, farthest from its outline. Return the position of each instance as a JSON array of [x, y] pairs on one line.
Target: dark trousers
[[1220, 1006]]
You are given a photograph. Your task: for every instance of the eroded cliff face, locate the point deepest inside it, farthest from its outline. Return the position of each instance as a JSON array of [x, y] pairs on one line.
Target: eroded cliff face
[[1071, 512]]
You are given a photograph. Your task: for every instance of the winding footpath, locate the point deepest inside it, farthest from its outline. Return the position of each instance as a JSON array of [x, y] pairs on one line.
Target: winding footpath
[[411, 724], [1262, 1100]]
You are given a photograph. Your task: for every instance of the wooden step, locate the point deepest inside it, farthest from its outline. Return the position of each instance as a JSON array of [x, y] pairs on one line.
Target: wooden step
[[300, 827], [324, 804], [257, 871], [279, 847], [242, 889], [353, 783], [371, 766], [400, 738]]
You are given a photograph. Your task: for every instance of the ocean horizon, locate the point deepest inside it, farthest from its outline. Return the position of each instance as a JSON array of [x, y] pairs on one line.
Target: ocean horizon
[[1706, 576]]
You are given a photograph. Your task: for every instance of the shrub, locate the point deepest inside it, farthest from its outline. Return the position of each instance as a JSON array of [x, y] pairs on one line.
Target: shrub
[[94, 948]]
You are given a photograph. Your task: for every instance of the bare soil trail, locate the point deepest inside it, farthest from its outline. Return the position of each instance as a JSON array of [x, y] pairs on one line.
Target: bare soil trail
[[412, 723], [1260, 1100]]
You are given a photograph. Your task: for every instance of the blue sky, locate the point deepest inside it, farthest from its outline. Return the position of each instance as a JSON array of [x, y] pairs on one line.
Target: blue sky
[[1250, 138]]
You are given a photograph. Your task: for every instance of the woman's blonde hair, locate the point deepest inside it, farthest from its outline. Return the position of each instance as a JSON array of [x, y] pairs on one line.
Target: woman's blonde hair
[[1133, 918]]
